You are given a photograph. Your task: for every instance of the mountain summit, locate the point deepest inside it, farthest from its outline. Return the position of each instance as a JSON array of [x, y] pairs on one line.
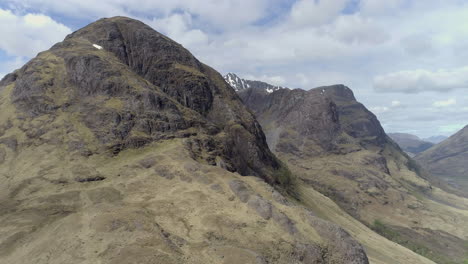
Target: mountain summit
[[129, 86], [119, 146]]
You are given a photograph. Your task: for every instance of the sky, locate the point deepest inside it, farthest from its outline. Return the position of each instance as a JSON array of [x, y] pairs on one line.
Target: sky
[[406, 60]]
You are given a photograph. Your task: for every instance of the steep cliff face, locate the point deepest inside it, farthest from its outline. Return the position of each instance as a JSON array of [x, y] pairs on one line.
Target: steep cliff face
[[131, 86], [335, 145], [108, 143], [447, 161], [312, 117]]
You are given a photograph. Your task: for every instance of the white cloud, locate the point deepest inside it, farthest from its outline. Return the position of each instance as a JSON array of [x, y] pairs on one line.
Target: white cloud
[[418, 45], [274, 80], [358, 29], [379, 109], [451, 128], [178, 27], [221, 14], [394, 105], [379, 7], [26, 35], [417, 81], [445, 103], [315, 13]]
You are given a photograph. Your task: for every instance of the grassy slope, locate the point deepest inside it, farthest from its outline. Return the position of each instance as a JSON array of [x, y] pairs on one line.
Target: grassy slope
[[400, 203], [154, 203]]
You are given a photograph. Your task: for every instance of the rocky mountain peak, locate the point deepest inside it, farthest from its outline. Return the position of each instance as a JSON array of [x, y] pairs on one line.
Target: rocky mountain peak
[[337, 92], [130, 86]]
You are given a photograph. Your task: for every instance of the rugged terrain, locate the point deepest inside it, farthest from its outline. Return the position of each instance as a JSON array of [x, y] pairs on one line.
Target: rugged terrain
[[336, 146], [119, 146], [411, 144], [447, 161]]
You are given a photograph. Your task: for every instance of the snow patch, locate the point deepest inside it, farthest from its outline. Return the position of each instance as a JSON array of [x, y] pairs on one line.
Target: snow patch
[[269, 90], [97, 46]]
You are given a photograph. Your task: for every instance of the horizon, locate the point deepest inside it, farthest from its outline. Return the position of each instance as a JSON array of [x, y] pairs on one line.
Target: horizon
[[403, 59]]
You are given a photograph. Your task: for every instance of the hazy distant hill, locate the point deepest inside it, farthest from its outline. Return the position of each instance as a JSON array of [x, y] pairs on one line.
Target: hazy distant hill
[[411, 144], [448, 160]]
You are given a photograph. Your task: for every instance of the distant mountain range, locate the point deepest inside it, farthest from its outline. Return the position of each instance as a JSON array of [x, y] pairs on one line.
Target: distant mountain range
[[411, 144]]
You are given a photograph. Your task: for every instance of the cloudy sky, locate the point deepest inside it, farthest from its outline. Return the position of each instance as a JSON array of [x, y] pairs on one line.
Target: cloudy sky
[[406, 60]]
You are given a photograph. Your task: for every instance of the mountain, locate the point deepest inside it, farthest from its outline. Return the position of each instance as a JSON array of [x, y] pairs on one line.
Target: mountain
[[118, 146], [447, 161], [338, 147], [239, 84], [411, 144], [435, 139]]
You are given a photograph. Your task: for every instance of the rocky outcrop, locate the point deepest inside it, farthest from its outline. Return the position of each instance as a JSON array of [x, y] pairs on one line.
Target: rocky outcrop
[[131, 86], [330, 117]]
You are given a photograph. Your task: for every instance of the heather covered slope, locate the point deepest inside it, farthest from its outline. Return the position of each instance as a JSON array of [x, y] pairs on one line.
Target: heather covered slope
[[118, 146], [448, 161], [336, 146]]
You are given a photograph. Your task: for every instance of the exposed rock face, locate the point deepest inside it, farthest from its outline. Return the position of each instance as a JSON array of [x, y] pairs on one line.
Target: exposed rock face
[[447, 161], [108, 143], [411, 144], [338, 147], [314, 115], [140, 87]]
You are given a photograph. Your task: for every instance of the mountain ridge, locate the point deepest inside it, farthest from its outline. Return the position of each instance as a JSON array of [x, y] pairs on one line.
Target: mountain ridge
[[336, 146], [118, 146]]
